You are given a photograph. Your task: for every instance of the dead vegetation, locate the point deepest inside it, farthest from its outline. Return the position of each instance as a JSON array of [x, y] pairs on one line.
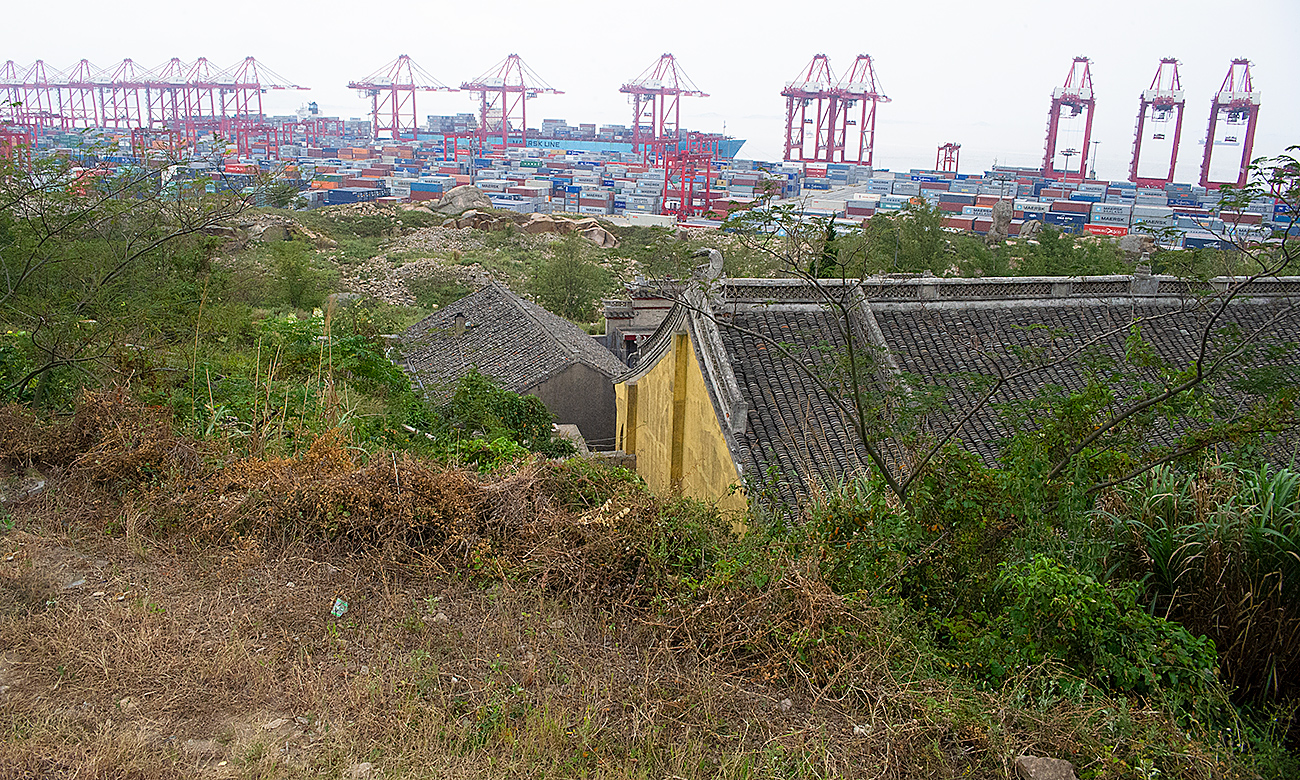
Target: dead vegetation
[[164, 614]]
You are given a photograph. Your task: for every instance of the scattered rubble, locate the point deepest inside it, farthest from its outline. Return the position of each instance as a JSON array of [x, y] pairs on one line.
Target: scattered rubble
[[540, 224], [380, 279]]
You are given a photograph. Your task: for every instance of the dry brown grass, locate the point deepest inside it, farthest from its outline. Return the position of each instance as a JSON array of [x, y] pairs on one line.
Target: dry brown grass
[[500, 626]]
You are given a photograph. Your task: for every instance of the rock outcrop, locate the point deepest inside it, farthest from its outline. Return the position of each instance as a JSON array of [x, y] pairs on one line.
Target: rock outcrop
[[458, 200], [1003, 211], [537, 224], [1035, 768]]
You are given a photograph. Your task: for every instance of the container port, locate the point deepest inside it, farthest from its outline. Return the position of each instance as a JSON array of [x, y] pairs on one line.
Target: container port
[[653, 170]]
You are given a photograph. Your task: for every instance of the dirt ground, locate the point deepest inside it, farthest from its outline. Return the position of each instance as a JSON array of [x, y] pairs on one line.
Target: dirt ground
[[146, 660]]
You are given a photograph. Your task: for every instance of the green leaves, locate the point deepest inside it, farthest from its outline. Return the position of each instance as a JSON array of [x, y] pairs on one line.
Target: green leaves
[[479, 408], [570, 281], [1051, 612], [1219, 550]]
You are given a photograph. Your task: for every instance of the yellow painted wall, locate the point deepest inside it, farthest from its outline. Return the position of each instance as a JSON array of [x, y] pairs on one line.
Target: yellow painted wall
[[707, 471]]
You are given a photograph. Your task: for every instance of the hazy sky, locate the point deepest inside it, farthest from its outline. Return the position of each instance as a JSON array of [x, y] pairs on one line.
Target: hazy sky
[[980, 74]]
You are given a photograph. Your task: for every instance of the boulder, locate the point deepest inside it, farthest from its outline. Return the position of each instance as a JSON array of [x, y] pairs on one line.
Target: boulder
[[541, 223], [1035, 768], [224, 231], [1134, 246], [1003, 210], [600, 237], [460, 199], [469, 219], [1030, 229], [274, 232]]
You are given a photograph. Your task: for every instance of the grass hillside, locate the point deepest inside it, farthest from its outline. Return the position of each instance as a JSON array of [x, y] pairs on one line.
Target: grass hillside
[[234, 542], [170, 611]]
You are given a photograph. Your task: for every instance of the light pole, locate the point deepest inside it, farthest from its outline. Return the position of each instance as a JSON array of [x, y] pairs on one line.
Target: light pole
[[1093, 168]]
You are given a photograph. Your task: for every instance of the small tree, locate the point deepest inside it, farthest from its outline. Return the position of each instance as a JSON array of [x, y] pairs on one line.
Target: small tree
[[79, 240], [570, 281]]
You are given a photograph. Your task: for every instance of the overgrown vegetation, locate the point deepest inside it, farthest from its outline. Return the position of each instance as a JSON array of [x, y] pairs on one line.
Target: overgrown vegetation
[[859, 621], [308, 567]]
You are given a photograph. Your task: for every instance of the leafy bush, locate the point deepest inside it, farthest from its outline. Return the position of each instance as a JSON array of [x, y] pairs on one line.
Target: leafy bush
[[432, 292], [302, 282], [479, 408], [579, 485], [1051, 612]]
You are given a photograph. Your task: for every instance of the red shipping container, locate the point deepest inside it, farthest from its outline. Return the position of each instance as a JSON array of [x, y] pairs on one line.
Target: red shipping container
[[1241, 217], [1071, 207], [1106, 230]]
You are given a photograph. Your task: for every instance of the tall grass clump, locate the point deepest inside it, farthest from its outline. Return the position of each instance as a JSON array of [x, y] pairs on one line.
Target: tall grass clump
[[1219, 551]]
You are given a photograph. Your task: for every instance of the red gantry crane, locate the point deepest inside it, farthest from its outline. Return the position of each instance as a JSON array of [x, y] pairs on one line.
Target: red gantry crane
[[15, 141], [504, 92], [946, 158], [1159, 102], [391, 90], [859, 86], [40, 96], [656, 104], [11, 95], [248, 80], [120, 99], [175, 96], [688, 171], [815, 89], [1076, 98], [1237, 103], [81, 107]]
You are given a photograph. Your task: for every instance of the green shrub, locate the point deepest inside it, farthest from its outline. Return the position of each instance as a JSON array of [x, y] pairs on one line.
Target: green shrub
[[570, 281], [1052, 612], [303, 283], [478, 407], [432, 292], [579, 484], [1219, 551]]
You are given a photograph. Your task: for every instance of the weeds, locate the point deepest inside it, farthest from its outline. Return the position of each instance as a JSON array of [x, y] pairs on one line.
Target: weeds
[[582, 626], [1219, 551]]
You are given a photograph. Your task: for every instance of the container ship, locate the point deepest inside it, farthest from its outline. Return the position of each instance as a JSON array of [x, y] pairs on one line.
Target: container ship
[[559, 134]]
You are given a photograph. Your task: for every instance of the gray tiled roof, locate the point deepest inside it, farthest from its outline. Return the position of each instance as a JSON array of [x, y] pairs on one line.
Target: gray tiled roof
[[516, 342], [942, 347], [796, 434]]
